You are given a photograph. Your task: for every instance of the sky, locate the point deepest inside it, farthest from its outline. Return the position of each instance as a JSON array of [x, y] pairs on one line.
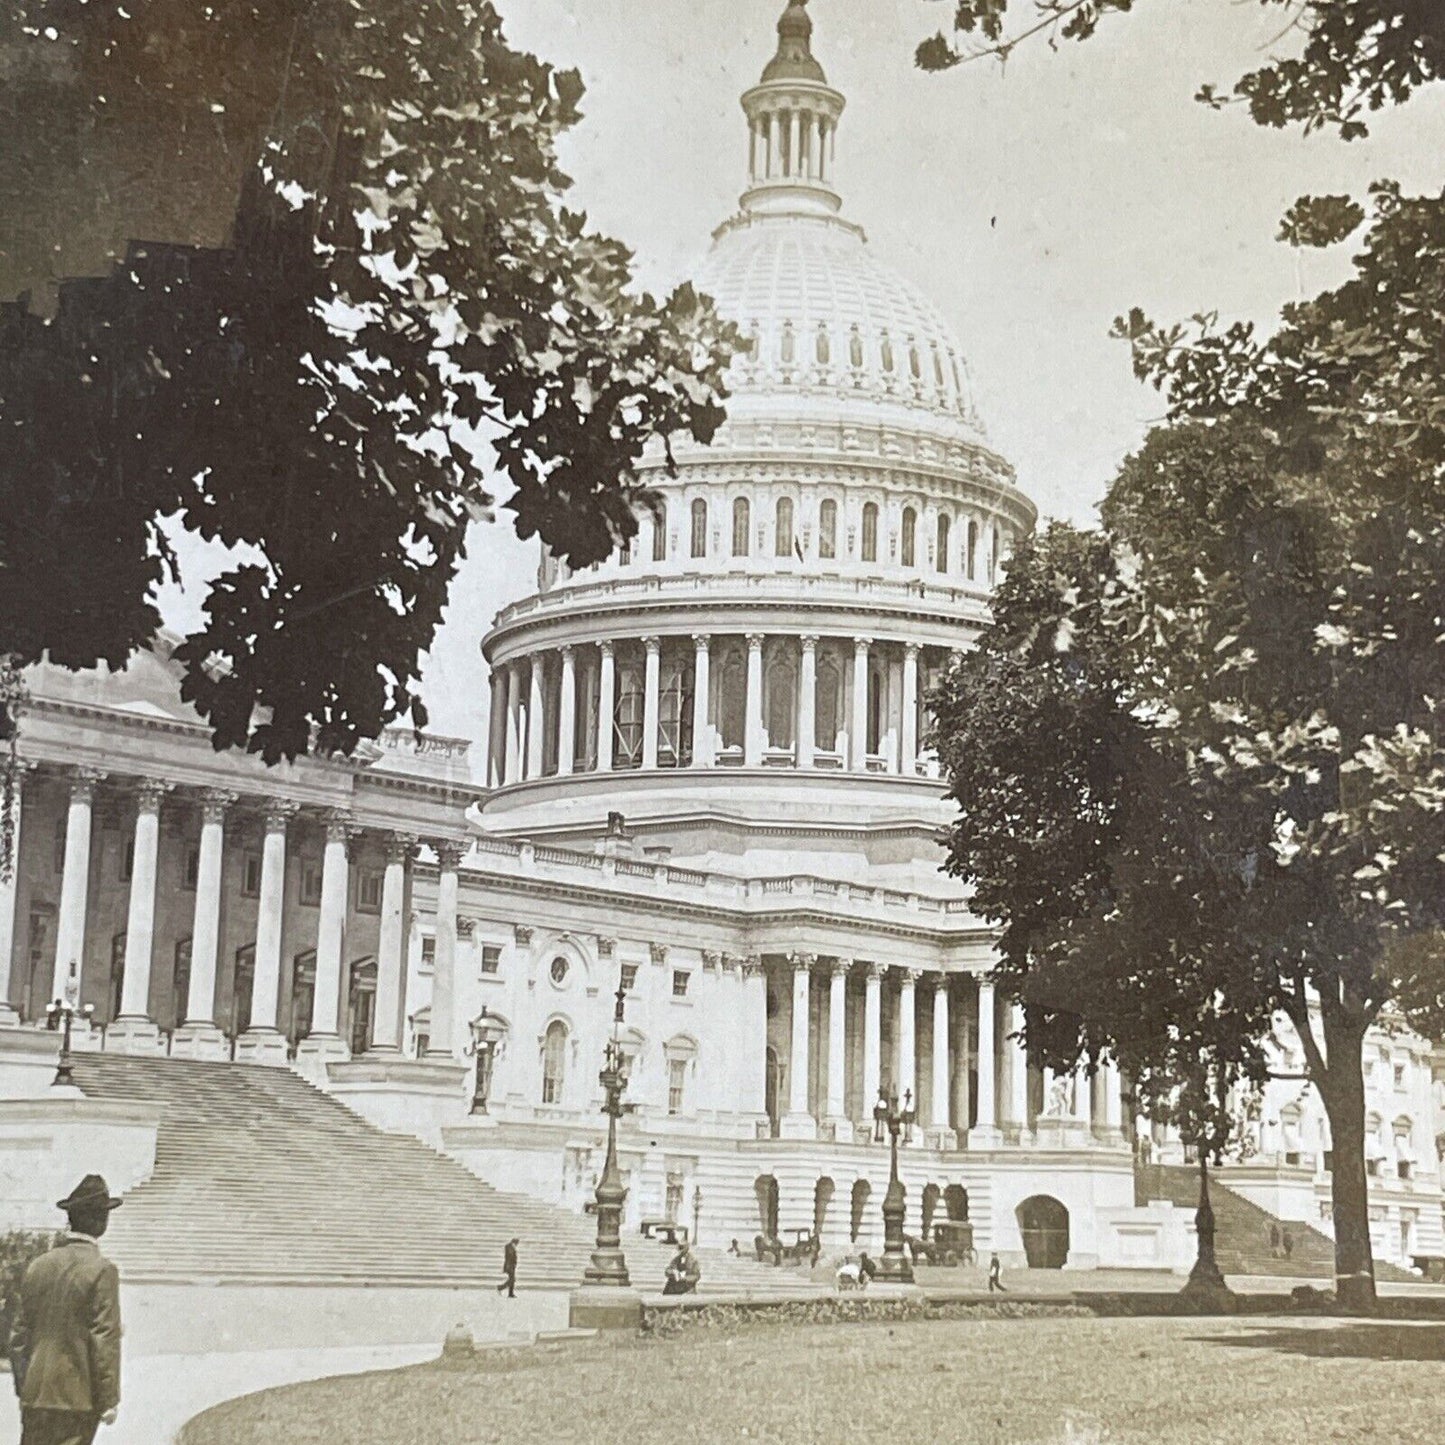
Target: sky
[[1034, 203]]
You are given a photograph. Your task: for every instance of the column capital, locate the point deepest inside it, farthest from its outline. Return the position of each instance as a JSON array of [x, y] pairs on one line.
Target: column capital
[[83, 783], [401, 847], [840, 967], [808, 641], [339, 824], [521, 934], [148, 794], [872, 969], [657, 952], [214, 803], [606, 947], [449, 853], [466, 926], [652, 643], [803, 962], [568, 651], [752, 965], [712, 960], [702, 641], [279, 813], [755, 641], [862, 644], [909, 976], [911, 651], [605, 647]]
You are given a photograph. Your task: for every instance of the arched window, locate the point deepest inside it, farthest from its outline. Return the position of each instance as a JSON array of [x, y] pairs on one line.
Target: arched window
[[828, 528], [941, 543], [699, 528], [788, 347], [914, 364], [628, 717], [554, 1061], [993, 554], [971, 560], [782, 704], [870, 531], [827, 713], [886, 352], [659, 535], [783, 528], [855, 349], [957, 380], [742, 525], [938, 369], [910, 537], [821, 349]]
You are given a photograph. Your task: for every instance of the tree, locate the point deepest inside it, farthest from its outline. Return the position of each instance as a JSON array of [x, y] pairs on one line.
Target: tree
[[402, 307], [1354, 56], [1277, 550]]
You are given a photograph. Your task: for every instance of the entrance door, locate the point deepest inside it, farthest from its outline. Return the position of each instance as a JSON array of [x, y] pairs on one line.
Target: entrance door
[[361, 1008], [1044, 1225], [303, 996]]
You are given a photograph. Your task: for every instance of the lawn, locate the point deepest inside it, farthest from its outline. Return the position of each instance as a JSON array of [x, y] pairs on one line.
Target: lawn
[[1017, 1381]]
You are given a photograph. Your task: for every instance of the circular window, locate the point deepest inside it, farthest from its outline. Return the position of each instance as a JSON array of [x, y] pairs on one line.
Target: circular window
[[559, 970]]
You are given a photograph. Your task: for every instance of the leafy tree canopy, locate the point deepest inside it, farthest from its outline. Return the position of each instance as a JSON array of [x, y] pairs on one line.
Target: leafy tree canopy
[[1352, 56], [401, 310]]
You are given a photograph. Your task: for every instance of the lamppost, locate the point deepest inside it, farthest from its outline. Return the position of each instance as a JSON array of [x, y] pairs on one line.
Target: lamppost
[[60, 1015], [609, 1264], [887, 1116], [486, 1037], [696, 1212]]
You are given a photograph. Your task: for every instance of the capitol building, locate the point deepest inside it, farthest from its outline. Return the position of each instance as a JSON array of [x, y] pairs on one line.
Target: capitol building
[[707, 783]]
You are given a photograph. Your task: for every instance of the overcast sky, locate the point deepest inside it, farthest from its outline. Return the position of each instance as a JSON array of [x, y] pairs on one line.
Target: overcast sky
[[1033, 203]]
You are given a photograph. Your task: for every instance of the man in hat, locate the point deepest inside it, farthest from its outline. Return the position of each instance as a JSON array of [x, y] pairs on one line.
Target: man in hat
[[65, 1345], [509, 1269]]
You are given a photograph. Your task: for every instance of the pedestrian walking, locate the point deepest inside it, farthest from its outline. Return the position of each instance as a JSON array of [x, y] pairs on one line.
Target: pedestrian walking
[[65, 1342], [509, 1269], [994, 1282]]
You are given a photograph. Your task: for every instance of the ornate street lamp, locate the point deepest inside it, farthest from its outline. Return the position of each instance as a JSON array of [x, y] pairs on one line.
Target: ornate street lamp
[[888, 1117], [486, 1038], [696, 1212], [60, 1015], [609, 1264]]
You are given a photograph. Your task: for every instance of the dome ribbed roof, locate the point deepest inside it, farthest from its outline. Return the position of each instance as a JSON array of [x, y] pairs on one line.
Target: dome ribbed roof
[[823, 314]]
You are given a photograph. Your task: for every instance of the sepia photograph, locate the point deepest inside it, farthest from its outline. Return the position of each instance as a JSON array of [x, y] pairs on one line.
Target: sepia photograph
[[722, 720]]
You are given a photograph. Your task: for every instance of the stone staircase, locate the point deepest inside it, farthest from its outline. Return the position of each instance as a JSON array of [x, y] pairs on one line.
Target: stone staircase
[[1242, 1229], [260, 1177]]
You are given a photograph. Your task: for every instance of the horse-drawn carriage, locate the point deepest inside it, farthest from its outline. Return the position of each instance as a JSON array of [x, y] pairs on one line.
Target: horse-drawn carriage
[[795, 1246], [951, 1244]]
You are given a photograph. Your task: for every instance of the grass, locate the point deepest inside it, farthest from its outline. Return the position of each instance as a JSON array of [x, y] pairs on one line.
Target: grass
[[1006, 1382]]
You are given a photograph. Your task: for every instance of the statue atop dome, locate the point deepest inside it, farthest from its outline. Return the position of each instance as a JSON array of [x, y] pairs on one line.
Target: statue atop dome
[[794, 60]]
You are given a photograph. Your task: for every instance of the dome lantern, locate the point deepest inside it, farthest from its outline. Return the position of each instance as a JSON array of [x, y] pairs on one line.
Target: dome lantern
[[792, 120]]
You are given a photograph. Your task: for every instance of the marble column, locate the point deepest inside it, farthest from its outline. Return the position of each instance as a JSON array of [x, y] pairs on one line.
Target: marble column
[[1018, 1072], [651, 682], [497, 730], [908, 762], [858, 733], [324, 1040], [441, 1043], [536, 718], [513, 765], [807, 699], [198, 1036], [702, 755], [798, 1123], [606, 706], [74, 883], [753, 732], [907, 1035], [753, 1095], [263, 1041], [134, 1031], [388, 1030], [985, 1134], [836, 1108], [9, 1014], [941, 1135], [872, 1039], [567, 713]]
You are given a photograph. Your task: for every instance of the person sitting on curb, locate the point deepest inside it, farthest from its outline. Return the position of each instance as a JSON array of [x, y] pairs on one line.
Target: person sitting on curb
[[683, 1273], [65, 1341]]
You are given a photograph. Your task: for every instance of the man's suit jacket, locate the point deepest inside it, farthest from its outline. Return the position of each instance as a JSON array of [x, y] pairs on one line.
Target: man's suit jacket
[[66, 1341]]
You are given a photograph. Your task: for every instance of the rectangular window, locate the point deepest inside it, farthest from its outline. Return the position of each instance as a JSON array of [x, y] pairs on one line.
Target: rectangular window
[[192, 874], [828, 529], [1399, 1076], [676, 1084], [251, 875], [310, 883], [629, 977], [368, 891], [491, 958], [680, 977], [1404, 1168], [659, 537], [422, 1043]]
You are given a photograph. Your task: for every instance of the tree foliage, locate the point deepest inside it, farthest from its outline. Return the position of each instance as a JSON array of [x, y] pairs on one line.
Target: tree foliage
[[1351, 57], [403, 313], [1234, 690]]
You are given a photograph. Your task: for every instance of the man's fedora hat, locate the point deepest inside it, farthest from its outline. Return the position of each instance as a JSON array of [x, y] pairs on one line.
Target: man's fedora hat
[[91, 1193]]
